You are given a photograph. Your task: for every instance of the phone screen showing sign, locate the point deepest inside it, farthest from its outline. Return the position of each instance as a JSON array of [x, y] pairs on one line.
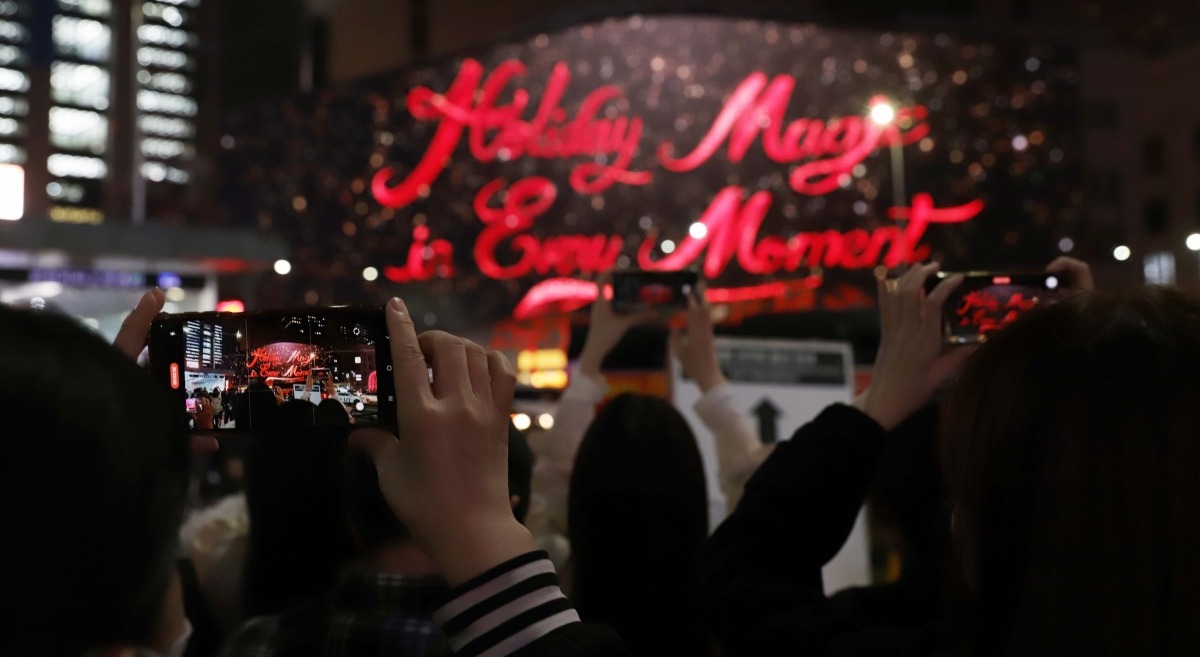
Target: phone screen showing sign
[[987, 302], [328, 367]]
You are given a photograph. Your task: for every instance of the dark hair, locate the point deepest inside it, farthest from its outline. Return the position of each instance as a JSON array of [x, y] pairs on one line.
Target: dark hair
[[1070, 444], [638, 512], [331, 413], [92, 487], [373, 521], [298, 538]]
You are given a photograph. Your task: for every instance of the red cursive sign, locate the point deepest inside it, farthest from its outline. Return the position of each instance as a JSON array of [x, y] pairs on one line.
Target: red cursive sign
[[498, 131], [822, 154], [833, 147]]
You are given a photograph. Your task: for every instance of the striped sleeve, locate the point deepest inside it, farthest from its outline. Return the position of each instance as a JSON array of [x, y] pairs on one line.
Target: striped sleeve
[[505, 609]]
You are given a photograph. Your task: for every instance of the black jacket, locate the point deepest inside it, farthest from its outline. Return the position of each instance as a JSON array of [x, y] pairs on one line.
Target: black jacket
[[761, 588]]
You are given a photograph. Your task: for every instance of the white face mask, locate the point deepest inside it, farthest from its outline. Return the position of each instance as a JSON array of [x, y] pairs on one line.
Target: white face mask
[[181, 643]]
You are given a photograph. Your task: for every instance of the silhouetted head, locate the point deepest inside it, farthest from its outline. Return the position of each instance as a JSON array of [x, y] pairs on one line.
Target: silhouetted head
[[92, 486], [1071, 446], [298, 538], [638, 512]]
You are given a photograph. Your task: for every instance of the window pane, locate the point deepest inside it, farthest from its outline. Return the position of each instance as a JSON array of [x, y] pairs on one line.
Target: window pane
[[10, 31], [173, 16], [74, 166], [78, 129], [153, 101], [13, 106], [11, 80], [97, 8], [82, 38], [79, 84]]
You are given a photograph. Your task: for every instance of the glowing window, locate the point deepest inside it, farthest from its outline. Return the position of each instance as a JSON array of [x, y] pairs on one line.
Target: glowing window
[[175, 83], [75, 166], [97, 8], [157, 172], [166, 126], [153, 101], [10, 31], [11, 55], [172, 16], [12, 192], [79, 84], [159, 58], [11, 80], [10, 154], [166, 149], [158, 35], [13, 106], [82, 38], [10, 127], [78, 129]]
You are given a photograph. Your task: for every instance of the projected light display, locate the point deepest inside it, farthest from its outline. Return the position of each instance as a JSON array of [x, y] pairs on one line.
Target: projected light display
[[787, 162]]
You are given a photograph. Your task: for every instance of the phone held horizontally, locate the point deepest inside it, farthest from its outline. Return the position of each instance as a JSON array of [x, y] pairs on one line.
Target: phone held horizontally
[[986, 302], [279, 369], [637, 291]]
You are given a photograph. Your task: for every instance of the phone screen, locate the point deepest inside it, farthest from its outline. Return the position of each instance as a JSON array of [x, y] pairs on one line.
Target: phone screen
[[986, 302], [326, 367], [637, 291]]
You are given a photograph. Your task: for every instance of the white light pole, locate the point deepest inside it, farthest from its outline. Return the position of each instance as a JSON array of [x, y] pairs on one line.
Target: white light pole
[[883, 114]]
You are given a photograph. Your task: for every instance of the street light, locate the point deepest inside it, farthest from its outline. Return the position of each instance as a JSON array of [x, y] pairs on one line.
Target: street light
[[1122, 253], [1193, 241], [883, 114]]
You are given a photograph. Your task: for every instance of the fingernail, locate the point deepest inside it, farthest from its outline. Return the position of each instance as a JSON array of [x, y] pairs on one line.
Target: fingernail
[[397, 305]]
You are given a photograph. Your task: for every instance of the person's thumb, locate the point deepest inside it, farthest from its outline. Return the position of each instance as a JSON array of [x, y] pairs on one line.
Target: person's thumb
[[375, 442]]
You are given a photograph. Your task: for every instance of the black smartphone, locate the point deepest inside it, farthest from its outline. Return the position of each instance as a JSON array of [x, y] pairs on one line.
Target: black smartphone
[[262, 362], [986, 302], [635, 291]]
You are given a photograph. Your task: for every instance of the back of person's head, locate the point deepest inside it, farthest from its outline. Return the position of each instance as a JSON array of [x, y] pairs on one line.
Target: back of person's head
[[93, 478], [372, 523], [298, 538], [1071, 446], [331, 413], [637, 512]]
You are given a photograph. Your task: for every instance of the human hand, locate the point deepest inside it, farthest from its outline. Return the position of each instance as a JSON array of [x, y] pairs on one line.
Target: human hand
[[1078, 273], [606, 329], [696, 349], [445, 475], [912, 362], [131, 339]]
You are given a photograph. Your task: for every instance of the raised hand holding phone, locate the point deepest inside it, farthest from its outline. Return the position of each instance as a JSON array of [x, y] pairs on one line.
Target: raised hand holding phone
[[131, 339], [696, 348], [606, 329], [445, 475], [912, 362]]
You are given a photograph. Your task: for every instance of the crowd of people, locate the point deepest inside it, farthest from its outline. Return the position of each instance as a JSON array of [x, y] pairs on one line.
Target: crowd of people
[[1043, 484]]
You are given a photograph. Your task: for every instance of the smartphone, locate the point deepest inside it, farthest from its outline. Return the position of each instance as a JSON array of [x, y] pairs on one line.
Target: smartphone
[[986, 302], [635, 291], [262, 360]]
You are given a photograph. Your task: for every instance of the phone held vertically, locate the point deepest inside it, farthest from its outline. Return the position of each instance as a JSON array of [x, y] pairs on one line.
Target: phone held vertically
[[284, 368], [986, 302], [637, 291]]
